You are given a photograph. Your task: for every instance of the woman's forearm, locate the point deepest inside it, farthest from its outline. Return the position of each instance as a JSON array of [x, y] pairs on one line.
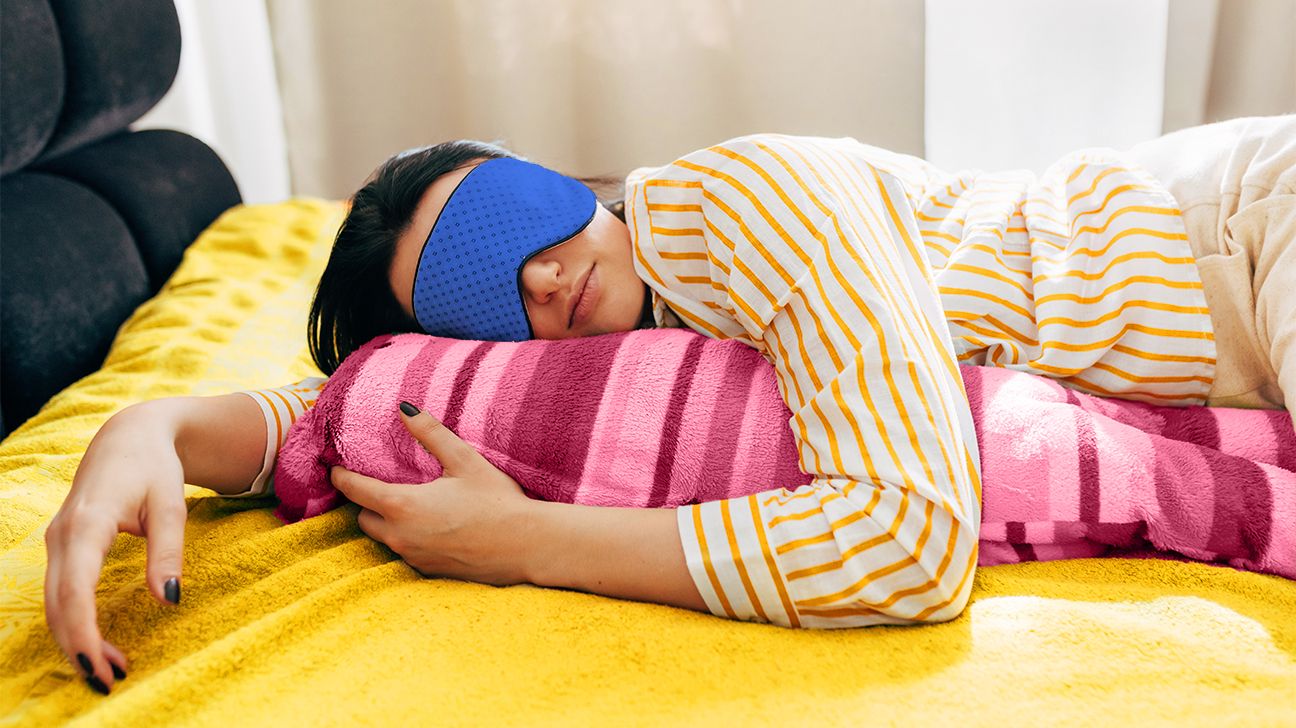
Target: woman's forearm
[[629, 553], [220, 440]]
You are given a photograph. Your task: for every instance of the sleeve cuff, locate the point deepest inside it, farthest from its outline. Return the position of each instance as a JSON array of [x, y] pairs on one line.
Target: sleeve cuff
[[262, 487], [732, 562], [295, 399], [263, 483]]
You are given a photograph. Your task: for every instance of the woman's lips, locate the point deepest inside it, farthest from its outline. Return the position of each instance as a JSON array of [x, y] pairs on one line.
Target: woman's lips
[[588, 297]]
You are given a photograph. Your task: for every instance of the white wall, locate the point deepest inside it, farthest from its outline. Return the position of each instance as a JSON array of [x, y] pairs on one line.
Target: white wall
[[226, 94], [1019, 83]]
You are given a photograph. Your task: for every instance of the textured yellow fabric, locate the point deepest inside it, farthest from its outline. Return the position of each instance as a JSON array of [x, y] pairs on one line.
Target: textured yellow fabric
[[315, 623]]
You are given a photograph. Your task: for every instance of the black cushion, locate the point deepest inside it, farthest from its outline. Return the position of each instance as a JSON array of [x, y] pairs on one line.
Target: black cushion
[[120, 56], [31, 81], [71, 275], [167, 186]]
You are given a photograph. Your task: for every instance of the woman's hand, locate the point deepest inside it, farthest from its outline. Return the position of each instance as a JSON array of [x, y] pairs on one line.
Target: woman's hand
[[468, 524], [131, 479]]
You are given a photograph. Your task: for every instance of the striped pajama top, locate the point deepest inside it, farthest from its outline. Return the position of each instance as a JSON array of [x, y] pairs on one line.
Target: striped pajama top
[[864, 277]]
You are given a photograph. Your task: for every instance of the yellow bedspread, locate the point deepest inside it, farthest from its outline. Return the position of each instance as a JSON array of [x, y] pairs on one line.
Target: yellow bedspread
[[315, 623]]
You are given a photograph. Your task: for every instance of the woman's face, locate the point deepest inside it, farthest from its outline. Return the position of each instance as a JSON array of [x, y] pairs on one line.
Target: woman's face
[[596, 261]]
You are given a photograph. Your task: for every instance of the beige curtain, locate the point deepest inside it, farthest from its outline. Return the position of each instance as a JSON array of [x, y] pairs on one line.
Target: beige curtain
[[1229, 58], [587, 87], [1253, 71]]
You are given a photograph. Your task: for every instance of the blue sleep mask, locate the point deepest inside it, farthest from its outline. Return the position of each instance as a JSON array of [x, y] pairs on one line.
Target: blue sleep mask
[[469, 279]]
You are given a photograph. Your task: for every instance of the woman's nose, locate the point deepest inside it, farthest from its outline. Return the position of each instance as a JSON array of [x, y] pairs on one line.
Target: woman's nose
[[540, 279]]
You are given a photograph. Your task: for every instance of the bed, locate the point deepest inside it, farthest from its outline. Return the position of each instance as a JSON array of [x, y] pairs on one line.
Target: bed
[[316, 622]]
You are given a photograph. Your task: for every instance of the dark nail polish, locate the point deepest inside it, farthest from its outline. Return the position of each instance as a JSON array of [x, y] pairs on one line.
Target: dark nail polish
[[409, 409], [85, 663], [118, 673], [97, 684], [172, 590]]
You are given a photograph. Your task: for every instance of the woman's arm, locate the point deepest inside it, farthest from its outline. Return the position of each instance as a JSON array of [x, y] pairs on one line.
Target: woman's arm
[[803, 249], [628, 553]]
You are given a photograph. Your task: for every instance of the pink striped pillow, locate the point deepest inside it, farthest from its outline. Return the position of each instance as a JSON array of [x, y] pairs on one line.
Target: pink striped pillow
[[667, 417], [646, 418]]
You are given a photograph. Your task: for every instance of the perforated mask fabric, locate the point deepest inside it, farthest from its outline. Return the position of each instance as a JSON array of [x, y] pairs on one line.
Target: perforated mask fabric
[[468, 284]]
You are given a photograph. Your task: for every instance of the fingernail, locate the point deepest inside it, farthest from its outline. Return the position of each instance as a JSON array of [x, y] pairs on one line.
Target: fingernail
[[85, 663], [118, 673], [409, 409], [172, 590], [97, 684]]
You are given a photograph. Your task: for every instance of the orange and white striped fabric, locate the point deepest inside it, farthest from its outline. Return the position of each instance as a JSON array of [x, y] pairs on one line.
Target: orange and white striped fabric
[[1084, 275], [808, 251]]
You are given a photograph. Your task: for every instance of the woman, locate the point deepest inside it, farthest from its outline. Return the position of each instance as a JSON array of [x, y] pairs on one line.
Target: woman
[[863, 276]]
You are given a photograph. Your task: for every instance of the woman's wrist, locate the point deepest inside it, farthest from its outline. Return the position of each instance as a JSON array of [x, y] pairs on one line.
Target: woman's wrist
[[219, 440], [152, 421], [530, 554], [628, 553]]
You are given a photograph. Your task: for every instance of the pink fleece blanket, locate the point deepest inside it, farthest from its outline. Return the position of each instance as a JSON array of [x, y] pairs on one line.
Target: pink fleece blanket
[[667, 417]]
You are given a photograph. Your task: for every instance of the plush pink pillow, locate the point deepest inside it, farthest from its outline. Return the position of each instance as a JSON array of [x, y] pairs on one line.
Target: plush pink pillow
[[649, 418]]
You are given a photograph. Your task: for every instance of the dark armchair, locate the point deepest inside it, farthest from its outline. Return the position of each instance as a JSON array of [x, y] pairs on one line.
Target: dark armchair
[[93, 217]]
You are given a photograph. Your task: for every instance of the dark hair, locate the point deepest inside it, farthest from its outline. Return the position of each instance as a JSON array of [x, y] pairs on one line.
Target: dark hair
[[610, 192], [353, 302]]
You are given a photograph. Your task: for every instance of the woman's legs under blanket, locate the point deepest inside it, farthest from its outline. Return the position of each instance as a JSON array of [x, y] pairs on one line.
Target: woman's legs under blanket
[[1267, 231], [1236, 184]]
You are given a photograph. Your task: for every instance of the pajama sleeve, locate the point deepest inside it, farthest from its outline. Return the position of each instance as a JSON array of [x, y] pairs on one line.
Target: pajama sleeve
[[806, 251], [281, 406]]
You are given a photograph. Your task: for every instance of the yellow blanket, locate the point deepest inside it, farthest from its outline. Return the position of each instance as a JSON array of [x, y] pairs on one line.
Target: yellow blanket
[[316, 623]]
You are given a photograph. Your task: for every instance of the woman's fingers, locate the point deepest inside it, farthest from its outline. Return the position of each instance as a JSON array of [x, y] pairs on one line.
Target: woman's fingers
[[53, 564], [71, 577], [75, 571], [374, 525], [116, 660], [164, 523]]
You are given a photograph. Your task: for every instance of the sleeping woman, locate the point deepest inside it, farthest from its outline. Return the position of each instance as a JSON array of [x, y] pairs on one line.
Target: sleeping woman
[[1165, 273]]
